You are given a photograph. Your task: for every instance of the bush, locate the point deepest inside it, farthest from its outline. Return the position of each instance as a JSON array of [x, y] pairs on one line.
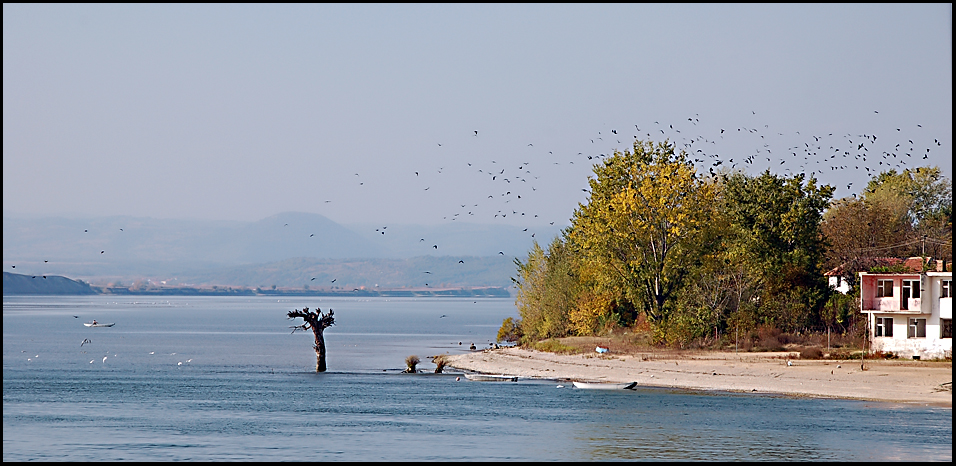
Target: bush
[[811, 353], [440, 361], [412, 363], [767, 339], [841, 354], [510, 330]]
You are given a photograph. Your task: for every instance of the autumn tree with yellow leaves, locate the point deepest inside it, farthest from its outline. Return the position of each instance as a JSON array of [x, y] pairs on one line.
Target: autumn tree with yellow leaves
[[628, 250], [645, 226], [697, 257]]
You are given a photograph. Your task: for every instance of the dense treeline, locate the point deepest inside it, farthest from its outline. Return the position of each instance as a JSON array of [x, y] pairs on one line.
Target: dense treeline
[[658, 246]]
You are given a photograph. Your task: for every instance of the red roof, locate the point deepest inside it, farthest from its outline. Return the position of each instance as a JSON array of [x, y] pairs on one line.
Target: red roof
[[914, 264]]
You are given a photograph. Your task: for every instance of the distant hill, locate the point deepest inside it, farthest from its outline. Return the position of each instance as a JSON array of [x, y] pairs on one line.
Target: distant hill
[[132, 239], [125, 249], [455, 239], [416, 272], [17, 284]]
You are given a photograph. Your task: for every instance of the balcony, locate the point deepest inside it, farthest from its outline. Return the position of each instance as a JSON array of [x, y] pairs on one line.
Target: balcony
[[891, 306]]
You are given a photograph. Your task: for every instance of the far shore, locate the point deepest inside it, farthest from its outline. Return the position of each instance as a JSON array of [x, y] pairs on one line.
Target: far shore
[[899, 381]]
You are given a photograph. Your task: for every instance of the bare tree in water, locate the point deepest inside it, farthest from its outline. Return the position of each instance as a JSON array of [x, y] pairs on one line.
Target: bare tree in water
[[317, 322]]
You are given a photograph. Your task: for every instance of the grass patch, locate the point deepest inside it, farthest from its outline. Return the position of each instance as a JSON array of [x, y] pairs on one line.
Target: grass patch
[[553, 345]]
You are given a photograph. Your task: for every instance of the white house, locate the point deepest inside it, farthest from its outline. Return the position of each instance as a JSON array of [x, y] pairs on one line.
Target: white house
[[910, 313], [836, 281]]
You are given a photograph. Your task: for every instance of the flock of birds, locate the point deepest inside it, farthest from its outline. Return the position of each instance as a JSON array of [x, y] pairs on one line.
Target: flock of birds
[[513, 186], [516, 182]]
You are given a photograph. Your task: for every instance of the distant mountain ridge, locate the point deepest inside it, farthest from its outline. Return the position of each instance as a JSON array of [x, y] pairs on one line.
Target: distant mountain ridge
[[416, 272], [125, 248]]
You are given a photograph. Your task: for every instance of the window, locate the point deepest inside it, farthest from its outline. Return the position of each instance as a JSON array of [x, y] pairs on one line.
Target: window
[[946, 328], [917, 328], [884, 288], [910, 290], [884, 327], [947, 289]]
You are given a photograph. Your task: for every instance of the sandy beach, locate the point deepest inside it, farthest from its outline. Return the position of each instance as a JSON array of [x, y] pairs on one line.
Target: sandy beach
[[902, 381]]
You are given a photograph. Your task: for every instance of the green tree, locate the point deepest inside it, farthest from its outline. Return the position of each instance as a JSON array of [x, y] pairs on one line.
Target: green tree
[[547, 287], [924, 192], [776, 226]]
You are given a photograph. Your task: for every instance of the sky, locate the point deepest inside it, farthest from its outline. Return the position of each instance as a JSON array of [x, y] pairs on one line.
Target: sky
[[426, 114]]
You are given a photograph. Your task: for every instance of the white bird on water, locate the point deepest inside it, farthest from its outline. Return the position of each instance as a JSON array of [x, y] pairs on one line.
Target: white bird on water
[[104, 359]]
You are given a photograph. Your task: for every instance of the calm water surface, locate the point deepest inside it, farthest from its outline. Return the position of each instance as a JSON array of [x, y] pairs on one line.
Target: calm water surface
[[223, 379]]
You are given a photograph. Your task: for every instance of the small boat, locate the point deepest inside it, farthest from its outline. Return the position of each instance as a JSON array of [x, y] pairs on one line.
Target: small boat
[[604, 385], [491, 378], [97, 324]]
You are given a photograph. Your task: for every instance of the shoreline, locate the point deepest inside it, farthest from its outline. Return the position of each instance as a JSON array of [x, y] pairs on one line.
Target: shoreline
[[895, 381]]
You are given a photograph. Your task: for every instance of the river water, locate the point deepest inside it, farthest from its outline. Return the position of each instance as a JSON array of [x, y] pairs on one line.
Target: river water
[[223, 379]]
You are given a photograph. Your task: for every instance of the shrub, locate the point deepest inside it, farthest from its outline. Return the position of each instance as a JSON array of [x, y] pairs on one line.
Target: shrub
[[440, 361], [412, 363], [841, 353], [767, 339], [811, 353], [510, 330]]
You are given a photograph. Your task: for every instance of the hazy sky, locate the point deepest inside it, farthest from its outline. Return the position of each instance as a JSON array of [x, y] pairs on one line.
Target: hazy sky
[[368, 113]]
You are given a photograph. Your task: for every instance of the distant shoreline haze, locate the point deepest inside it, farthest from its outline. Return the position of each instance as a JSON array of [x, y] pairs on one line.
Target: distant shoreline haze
[[31, 285], [291, 249]]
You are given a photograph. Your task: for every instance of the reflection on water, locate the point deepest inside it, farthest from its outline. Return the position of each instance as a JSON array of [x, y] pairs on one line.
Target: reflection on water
[[223, 379]]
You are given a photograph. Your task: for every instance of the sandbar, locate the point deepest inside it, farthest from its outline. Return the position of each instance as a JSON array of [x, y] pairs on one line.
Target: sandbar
[[899, 381]]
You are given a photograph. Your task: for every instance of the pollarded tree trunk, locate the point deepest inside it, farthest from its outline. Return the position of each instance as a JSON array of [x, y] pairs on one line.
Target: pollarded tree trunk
[[317, 322]]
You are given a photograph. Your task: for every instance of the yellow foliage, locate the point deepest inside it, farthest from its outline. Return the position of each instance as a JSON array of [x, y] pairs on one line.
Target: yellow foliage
[[643, 224], [585, 316]]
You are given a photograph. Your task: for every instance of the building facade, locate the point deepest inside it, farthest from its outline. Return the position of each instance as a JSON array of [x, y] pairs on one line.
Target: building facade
[[909, 313]]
